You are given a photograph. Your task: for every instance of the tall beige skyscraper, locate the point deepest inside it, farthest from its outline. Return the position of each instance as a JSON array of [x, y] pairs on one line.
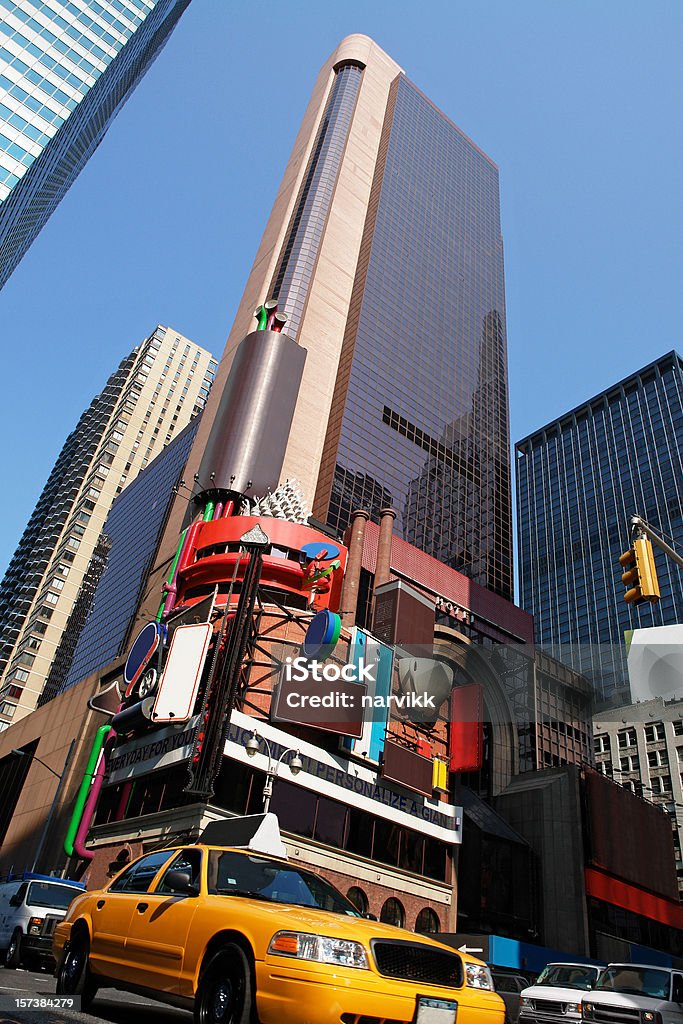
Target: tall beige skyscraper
[[147, 401], [384, 250]]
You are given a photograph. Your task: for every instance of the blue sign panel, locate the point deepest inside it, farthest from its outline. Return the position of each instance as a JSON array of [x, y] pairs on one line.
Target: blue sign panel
[[144, 646], [328, 552], [322, 635]]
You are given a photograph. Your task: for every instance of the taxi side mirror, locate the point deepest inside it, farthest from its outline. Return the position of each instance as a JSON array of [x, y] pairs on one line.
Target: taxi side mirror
[[179, 882], [370, 917]]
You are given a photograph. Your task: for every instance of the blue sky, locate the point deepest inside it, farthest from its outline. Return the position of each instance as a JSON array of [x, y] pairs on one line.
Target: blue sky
[[578, 101]]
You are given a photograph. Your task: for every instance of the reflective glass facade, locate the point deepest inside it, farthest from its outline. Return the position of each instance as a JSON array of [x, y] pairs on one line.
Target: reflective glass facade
[[133, 529], [420, 416], [65, 71], [579, 481]]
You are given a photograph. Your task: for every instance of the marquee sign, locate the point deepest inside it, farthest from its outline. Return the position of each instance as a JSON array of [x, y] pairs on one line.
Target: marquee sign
[[324, 773]]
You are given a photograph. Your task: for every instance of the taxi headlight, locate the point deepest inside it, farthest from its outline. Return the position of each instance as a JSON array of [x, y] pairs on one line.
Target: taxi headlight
[[478, 976], [322, 948]]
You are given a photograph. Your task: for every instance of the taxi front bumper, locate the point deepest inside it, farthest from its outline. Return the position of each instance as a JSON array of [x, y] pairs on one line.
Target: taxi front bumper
[[310, 993]]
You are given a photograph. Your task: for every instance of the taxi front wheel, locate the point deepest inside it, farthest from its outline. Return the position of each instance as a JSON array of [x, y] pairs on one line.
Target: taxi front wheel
[[74, 977], [224, 995]]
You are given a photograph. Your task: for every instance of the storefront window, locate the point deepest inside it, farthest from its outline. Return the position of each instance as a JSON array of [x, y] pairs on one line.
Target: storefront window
[[412, 851], [295, 808], [359, 899], [427, 921], [386, 843], [329, 822], [359, 833], [393, 912]]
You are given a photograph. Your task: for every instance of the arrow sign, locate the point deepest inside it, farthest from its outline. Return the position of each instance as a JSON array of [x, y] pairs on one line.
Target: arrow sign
[[470, 949]]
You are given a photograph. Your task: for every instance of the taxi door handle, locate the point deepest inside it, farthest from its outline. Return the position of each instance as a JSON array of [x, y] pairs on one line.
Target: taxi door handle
[[100, 904], [142, 907]]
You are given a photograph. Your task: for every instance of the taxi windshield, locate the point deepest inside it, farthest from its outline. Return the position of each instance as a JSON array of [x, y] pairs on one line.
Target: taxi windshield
[[635, 981], [238, 874], [568, 976]]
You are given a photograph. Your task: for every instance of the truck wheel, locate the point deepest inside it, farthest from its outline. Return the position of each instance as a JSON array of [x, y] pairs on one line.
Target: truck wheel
[[224, 995], [13, 951], [73, 976]]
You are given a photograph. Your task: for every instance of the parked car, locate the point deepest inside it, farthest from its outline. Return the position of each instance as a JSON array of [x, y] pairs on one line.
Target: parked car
[[636, 992], [557, 993], [241, 936], [30, 906], [509, 987]]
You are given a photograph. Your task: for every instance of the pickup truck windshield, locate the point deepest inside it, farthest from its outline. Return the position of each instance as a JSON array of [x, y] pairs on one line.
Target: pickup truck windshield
[[51, 895], [635, 981], [568, 976], [237, 874]]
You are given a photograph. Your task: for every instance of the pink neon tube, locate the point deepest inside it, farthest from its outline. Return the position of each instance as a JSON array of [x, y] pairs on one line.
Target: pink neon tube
[[80, 848]]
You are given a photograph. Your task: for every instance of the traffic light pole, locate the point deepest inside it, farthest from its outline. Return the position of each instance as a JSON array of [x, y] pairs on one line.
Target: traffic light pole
[[640, 524]]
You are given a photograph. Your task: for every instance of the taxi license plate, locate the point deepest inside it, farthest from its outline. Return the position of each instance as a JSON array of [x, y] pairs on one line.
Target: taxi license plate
[[435, 1011]]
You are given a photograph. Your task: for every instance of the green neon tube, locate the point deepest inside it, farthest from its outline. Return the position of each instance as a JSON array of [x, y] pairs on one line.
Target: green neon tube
[[208, 511], [171, 575], [261, 314], [84, 789]]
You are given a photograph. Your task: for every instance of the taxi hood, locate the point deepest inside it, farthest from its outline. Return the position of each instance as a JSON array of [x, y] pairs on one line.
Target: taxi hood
[[289, 917]]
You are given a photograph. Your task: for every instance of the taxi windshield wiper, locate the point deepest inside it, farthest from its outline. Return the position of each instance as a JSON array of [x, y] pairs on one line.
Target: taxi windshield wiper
[[250, 893]]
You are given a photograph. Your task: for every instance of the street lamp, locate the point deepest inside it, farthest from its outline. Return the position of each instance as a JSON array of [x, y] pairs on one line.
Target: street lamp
[[55, 798], [24, 753], [253, 746]]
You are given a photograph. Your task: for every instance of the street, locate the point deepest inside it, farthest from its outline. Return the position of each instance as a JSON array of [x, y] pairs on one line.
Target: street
[[110, 1007]]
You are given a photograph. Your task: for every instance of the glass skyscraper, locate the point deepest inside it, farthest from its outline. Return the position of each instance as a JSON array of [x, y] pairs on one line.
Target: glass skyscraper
[[131, 533], [384, 249], [423, 379], [66, 69], [579, 481]]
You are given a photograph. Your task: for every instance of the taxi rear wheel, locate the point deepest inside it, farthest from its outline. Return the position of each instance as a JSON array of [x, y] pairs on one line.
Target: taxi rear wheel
[[74, 977], [224, 995]]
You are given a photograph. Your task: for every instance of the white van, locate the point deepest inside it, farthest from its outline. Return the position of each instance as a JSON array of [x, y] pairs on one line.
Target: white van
[[557, 993], [30, 907], [636, 994]]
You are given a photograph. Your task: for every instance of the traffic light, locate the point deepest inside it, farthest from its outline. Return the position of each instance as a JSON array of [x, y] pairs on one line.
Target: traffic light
[[640, 577]]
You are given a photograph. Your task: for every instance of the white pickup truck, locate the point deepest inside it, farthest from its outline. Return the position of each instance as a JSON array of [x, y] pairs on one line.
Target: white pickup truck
[[557, 993], [636, 994]]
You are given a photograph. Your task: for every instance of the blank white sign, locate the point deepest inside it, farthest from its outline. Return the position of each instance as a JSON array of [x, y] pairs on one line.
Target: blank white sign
[[183, 670]]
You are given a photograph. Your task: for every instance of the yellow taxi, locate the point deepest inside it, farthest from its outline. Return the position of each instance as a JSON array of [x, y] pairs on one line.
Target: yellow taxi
[[246, 938]]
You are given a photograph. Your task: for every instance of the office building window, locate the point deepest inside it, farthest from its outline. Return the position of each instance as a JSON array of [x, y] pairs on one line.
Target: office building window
[[627, 738]]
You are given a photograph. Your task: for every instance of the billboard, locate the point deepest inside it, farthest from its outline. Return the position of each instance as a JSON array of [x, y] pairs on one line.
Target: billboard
[[466, 742], [628, 837], [655, 662]]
